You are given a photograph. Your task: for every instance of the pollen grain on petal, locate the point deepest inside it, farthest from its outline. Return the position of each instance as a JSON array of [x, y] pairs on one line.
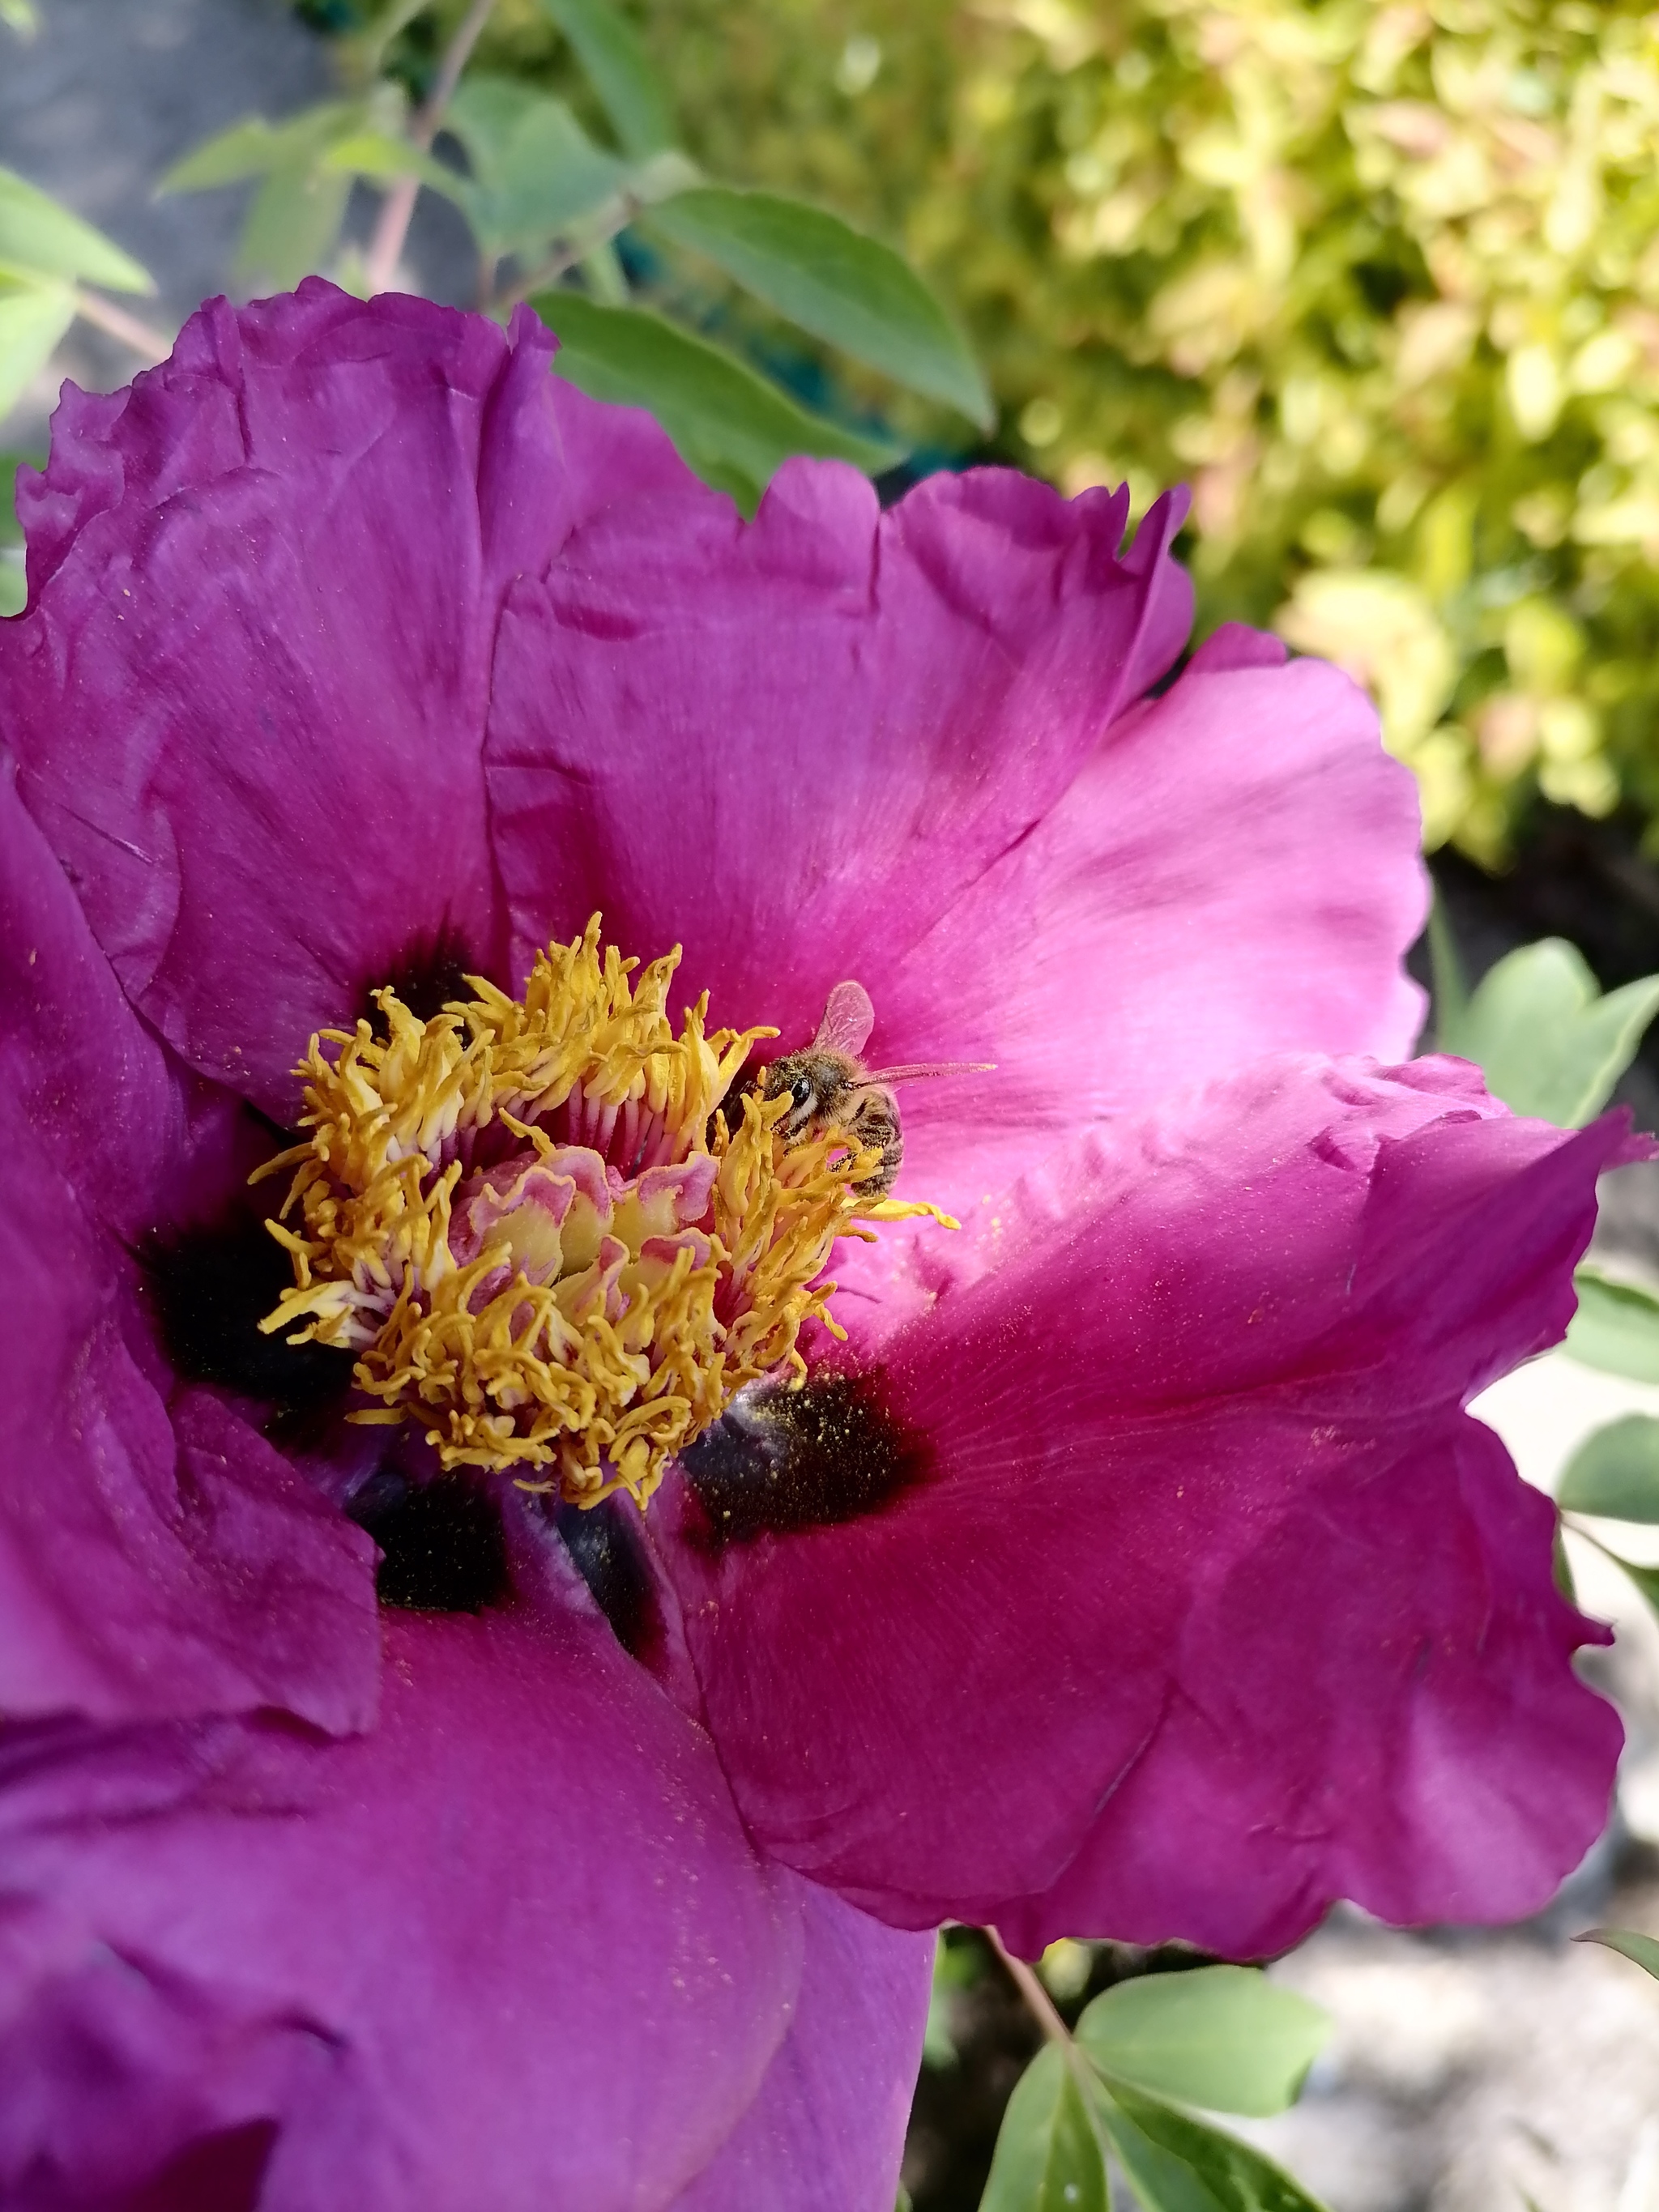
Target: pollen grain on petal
[[541, 1241]]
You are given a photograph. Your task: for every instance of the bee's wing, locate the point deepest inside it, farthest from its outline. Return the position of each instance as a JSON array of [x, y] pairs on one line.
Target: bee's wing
[[847, 1021], [914, 1071]]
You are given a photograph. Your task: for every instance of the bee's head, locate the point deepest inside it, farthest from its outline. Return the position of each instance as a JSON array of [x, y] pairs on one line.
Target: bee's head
[[795, 1078]]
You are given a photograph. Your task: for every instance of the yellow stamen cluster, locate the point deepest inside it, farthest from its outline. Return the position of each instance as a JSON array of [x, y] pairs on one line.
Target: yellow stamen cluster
[[628, 1278]]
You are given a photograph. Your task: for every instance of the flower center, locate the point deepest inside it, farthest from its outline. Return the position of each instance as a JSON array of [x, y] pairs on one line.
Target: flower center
[[548, 1231]]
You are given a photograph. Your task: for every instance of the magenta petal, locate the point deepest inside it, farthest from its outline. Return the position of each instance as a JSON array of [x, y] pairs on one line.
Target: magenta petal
[[248, 693], [117, 1116], [1235, 873], [1236, 645], [1466, 1801], [619, 456], [790, 745], [512, 1951], [156, 1558], [827, 2129], [154, 1561], [1194, 1487]]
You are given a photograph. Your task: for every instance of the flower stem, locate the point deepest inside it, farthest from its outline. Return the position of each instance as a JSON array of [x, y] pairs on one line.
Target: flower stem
[[391, 228], [570, 254], [152, 343], [1030, 1988]]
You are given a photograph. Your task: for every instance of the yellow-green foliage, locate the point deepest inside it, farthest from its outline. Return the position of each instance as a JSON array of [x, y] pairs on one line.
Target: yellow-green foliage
[[1380, 280]]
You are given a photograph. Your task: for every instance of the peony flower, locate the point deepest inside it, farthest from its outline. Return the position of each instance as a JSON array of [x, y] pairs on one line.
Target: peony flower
[[501, 1673]]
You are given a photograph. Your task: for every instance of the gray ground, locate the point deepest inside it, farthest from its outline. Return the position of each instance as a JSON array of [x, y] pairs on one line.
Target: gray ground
[[1468, 2073], [1472, 2075], [108, 95]]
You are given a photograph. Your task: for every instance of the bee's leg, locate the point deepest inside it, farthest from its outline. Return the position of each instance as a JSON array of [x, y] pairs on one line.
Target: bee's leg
[[731, 1107], [876, 1127]]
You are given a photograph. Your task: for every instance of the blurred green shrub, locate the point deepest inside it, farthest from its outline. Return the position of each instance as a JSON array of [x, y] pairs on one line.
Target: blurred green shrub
[[1380, 278]]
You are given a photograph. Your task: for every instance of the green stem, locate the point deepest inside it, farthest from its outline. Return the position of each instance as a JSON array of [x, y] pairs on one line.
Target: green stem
[[391, 228], [153, 344], [573, 252], [1025, 1980]]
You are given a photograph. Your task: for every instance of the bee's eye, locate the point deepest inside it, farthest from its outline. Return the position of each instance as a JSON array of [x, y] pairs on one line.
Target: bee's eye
[[801, 1090]]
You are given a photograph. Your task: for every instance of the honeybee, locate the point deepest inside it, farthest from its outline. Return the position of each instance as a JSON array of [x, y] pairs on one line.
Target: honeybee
[[830, 1088]]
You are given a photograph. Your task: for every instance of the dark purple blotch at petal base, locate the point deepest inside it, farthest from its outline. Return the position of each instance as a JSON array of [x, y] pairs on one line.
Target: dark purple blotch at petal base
[[158, 1558], [1215, 1605]]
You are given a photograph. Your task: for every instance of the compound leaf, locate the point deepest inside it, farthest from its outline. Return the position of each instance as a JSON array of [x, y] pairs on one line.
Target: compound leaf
[[1176, 2164], [292, 225], [730, 425], [1616, 1326], [255, 148], [1642, 1949], [1223, 2037], [534, 170], [1615, 1472], [32, 318], [1048, 2157], [613, 60], [39, 239], [843, 287], [1549, 1042]]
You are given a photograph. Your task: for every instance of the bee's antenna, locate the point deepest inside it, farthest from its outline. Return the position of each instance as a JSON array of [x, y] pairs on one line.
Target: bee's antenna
[[915, 1071]]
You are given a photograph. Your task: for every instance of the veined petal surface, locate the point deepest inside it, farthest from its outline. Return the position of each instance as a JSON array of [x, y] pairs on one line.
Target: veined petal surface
[[513, 1950], [827, 2129], [247, 695], [157, 1556], [1193, 1501], [792, 745], [1233, 872]]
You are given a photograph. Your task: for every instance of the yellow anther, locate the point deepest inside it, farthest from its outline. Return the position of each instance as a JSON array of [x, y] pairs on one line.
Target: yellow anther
[[526, 1218]]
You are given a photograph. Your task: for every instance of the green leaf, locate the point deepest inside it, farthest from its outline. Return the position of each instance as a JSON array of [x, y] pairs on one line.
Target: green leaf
[[1646, 1579], [292, 225], [249, 149], [1048, 2157], [604, 274], [955, 1967], [37, 238], [13, 587], [371, 45], [11, 530], [379, 154], [835, 281], [1615, 1472], [1616, 1326], [730, 425], [306, 164], [1224, 2037], [1641, 1949], [1549, 1043], [1451, 989], [613, 61], [1176, 2164], [254, 147], [534, 170], [32, 318]]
